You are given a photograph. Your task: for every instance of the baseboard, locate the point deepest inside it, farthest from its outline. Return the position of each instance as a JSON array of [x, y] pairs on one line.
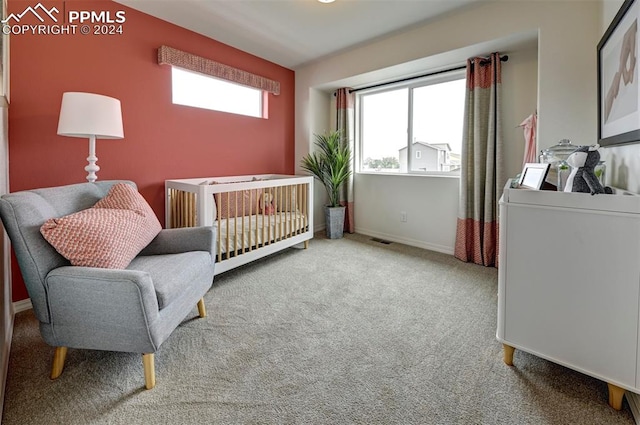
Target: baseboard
[[22, 305], [407, 241], [5, 361], [634, 403]]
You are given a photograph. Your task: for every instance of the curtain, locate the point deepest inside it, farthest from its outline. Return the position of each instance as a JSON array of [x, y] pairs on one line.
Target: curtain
[[345, 122], [482, 173]]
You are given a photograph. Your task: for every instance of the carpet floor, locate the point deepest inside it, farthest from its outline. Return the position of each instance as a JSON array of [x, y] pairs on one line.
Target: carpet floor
[[349, 331]]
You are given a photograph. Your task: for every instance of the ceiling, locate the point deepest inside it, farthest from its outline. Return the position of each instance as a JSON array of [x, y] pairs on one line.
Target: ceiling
[[292, 33]]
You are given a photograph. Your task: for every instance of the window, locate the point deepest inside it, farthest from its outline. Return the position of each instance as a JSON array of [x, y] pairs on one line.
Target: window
[[202, 91], [412, 127]]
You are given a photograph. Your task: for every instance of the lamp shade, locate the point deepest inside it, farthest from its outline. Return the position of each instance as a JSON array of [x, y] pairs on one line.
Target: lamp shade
[[89, 114]]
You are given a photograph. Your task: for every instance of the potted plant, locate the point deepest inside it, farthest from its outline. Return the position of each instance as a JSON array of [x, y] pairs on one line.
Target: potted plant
[[331, 164]]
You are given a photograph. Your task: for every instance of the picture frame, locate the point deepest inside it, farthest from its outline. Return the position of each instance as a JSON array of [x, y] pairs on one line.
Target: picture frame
[[618, 85], [533, 175]]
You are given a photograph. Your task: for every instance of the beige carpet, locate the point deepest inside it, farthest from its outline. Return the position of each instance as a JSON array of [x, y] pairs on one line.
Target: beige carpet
[[346, 332]]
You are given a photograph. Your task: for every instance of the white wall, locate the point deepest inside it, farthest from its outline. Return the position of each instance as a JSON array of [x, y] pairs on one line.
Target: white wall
[[561, 71], [430, 204], [623, 163]]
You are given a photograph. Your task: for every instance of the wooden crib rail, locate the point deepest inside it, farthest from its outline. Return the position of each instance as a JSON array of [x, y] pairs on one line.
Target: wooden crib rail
[[250, 214]]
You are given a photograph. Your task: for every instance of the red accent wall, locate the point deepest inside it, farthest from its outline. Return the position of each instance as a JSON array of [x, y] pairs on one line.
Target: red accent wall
[[162, 141]]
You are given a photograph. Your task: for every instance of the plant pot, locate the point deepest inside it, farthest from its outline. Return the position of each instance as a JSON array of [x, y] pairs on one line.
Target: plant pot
[[334, 219]]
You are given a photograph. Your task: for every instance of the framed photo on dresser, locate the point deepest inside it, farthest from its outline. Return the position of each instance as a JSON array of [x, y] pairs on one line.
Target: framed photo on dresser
[[533, 175]]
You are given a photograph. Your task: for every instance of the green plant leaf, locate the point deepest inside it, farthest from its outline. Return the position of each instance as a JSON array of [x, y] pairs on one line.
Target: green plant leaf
[[331, 163]]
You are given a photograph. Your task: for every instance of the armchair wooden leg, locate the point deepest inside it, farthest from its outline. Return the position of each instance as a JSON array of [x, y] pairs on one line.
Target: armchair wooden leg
[[508, 354], [306, 244], [58, 362], [615, 396], [148, 362], [202, 310]]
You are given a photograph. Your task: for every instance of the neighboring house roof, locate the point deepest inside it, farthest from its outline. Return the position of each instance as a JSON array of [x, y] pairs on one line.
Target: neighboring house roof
[[442, 146], [436, 146]]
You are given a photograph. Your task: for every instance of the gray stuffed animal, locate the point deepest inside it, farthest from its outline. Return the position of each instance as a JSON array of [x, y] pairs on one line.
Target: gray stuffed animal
[[583, 178]]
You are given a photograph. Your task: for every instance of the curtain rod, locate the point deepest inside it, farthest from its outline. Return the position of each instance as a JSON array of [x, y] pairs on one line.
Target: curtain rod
[[483, 62]]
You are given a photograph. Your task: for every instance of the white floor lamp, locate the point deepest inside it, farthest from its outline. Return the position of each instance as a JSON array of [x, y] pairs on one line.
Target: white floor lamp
[[90, 115]]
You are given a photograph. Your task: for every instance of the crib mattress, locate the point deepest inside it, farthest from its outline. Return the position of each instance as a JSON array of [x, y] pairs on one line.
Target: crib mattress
[[249, 232]]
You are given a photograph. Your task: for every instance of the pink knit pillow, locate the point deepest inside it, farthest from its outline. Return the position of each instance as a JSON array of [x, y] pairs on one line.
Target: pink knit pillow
[[108, 235], [238, 203]]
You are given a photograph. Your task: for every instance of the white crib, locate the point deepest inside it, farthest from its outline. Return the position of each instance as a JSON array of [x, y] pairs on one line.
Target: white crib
[[254, 215]]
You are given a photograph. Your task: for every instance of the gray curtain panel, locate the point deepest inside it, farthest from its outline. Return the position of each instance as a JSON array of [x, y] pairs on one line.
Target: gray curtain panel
[[345, 111], [482, 174]]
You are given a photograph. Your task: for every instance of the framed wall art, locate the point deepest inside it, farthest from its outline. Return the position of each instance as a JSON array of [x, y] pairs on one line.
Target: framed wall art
[[618, 85]]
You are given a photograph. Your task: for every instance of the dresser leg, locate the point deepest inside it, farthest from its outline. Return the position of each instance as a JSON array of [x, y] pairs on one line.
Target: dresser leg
[[508, 354], [615, 396]]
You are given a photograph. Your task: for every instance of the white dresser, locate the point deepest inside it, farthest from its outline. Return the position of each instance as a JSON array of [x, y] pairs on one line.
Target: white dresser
[[569, 282]]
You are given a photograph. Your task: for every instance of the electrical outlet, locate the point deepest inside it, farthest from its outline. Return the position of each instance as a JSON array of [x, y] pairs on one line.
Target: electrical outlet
[[403, 216]]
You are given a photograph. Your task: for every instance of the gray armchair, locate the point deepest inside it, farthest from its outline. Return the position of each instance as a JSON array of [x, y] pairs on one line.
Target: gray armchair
[[131, 310]]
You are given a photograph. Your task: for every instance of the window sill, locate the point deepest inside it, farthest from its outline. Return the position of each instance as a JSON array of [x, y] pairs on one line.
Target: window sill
[[420, 175]]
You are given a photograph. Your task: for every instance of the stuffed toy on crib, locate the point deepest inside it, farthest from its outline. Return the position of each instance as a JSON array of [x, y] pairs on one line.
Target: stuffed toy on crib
[[268, 204], [583, 178]]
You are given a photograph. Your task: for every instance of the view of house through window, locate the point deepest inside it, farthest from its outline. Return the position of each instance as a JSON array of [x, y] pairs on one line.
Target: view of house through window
[[413, 127], [202, 91]]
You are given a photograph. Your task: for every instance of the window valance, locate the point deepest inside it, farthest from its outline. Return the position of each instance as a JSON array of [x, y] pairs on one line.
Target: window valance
[[170, 56]]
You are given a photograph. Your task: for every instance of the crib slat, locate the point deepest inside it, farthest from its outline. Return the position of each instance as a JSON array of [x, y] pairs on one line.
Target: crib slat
[[292, 209], [297, 218], [305, 203], [283, 210], [276, 211], [279, 224], [235, 224], [304, 206], [287, 213], [184, 210], [172, 203], [294, 213], [273, 229], [239, 247], [189, 210], [219, 232], [179, 214], [300, 206], [174, 207], [182, 202], [192, 209], [289, 222], [228, 216], [264, 228], [251, 193], [178, 209]]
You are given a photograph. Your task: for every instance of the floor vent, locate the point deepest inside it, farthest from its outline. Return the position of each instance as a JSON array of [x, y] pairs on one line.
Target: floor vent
[[381, 241]]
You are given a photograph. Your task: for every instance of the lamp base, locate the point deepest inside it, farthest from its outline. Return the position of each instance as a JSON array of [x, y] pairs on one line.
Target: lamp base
[[92, 168]]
